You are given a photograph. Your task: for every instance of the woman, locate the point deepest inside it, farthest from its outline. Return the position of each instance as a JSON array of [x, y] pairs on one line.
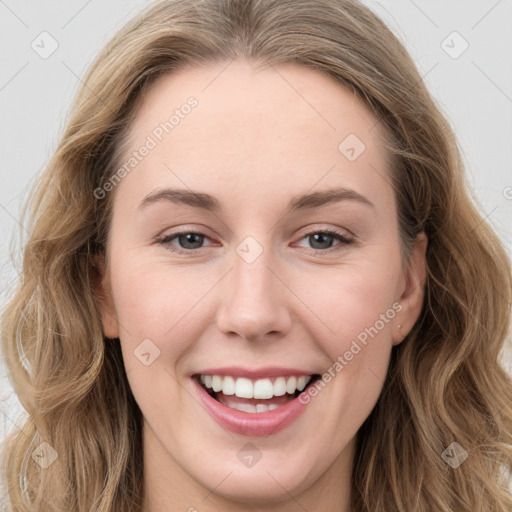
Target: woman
[[194, 345]]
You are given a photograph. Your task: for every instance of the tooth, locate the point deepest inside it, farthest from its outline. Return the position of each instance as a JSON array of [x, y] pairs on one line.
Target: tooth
[[302, 381], [263, 388], [271, 407], [243, 388], [279, 387], [261, 408], [291, 385], [228, 385], [217, 383], [245, 408]]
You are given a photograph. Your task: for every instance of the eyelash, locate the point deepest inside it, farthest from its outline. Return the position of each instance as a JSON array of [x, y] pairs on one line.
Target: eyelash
[[166, 240]]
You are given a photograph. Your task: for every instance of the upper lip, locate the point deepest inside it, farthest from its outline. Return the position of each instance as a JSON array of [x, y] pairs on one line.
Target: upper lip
[[254, 373]]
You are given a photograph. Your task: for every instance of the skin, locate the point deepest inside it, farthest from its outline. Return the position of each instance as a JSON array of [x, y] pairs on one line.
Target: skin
[[257, 137]]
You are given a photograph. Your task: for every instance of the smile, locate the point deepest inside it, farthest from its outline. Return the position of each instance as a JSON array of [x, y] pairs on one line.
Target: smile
[[250, 406], [262, 392]]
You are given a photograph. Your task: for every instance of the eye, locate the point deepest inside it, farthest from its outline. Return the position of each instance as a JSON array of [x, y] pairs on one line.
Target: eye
[[188, 241], [322, 241]]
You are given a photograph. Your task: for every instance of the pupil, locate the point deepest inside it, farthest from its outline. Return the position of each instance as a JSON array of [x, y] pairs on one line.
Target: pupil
[[189, 238]]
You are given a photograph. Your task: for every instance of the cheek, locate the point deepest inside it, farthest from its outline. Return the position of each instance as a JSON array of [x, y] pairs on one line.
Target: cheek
[[357, 302], [162, 304], [357, 311], [154, 310]]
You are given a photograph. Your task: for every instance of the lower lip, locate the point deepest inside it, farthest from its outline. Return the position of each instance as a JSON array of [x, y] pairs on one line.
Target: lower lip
[[250, 424]]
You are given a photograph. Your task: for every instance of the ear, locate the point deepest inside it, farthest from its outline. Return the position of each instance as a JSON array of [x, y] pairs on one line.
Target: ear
[[412, 290], [104, 299]]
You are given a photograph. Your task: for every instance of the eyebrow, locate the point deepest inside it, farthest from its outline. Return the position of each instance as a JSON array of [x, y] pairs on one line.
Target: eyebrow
[[299, 202]]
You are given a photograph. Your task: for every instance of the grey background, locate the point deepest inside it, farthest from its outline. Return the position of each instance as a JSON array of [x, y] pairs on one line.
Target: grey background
[[473, 90]]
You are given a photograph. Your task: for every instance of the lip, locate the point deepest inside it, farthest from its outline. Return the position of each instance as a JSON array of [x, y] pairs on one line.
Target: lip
[[254, 373], [248, 424]]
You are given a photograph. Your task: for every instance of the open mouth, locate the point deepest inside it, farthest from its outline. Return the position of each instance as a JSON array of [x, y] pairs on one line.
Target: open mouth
[[255, 395]]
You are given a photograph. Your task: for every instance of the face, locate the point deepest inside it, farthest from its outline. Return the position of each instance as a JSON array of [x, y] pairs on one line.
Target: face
[[290, 274]]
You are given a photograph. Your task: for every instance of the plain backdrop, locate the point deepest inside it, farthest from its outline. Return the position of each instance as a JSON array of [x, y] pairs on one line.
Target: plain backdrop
[[463, 49]]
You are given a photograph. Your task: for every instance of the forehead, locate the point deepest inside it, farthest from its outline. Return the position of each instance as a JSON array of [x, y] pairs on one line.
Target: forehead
[[288, 126]]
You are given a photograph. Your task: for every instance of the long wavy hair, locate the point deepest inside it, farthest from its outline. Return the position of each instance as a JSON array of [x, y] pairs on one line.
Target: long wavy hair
[[445, 381]]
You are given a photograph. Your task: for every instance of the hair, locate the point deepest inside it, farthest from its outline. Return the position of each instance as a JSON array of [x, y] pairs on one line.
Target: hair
[[445, 382]]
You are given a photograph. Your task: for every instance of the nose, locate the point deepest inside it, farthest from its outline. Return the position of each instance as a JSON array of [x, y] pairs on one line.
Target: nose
[[253, 302]]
